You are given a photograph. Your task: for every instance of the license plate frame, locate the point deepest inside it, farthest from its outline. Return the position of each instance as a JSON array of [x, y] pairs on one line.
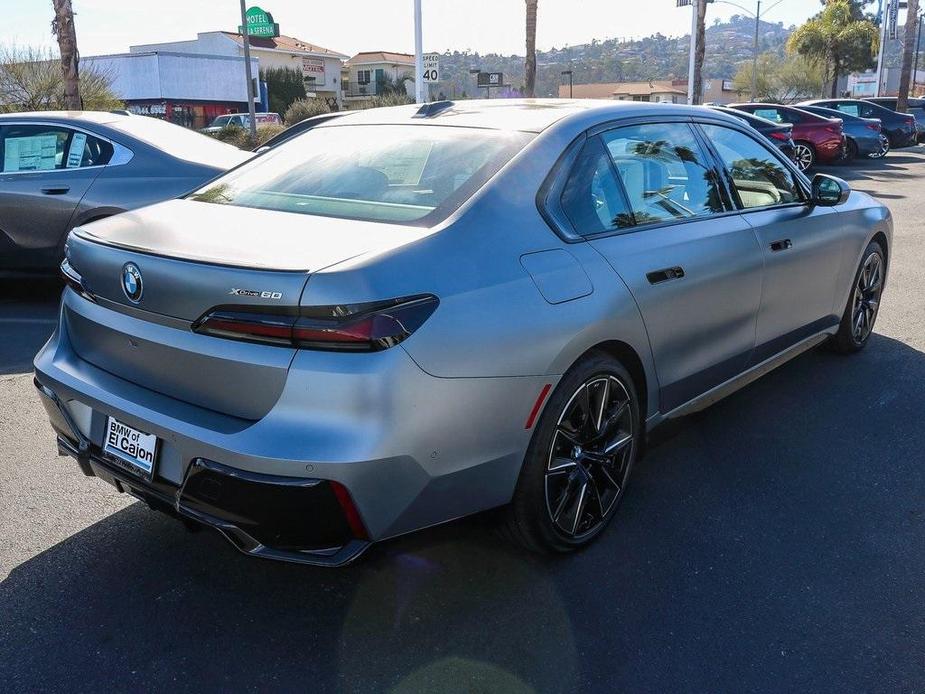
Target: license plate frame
[[119, 442]]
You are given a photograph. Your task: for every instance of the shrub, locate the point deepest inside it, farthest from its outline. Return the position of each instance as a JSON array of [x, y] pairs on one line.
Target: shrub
[[241, 137], [284, 86], [305, 108], [392, 99]]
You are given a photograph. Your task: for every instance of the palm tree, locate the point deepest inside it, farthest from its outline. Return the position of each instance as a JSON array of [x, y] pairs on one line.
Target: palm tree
[[63, 27], [530, 67], [697, 87], [835, 40], [905, 75]]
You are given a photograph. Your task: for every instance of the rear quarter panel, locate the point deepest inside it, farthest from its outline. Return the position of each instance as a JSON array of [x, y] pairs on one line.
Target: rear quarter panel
[[860, 219]]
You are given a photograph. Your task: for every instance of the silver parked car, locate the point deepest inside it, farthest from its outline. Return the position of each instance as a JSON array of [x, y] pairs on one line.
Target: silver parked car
[[64, 169], [409, 315]]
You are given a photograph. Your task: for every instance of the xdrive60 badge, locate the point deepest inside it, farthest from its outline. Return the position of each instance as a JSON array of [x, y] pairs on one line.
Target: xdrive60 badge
[[255, 293]]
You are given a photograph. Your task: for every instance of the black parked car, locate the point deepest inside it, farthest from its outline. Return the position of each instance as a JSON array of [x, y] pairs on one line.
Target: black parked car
[[900, 128], [916, 108], [780, 134]]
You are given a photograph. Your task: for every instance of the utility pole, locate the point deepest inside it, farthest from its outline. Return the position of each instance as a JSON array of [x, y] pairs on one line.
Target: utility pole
[[418, 55], [250, 78], [63, 27], [883, 13]]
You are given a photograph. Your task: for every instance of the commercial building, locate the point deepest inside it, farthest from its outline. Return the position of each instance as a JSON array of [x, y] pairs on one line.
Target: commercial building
[[320, 67], [182, 88], [371, 73]]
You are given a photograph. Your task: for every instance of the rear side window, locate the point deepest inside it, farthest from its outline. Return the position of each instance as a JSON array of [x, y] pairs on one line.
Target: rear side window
[[383, 173], [664, 172], [758, 177], [591, 198], [50, 148], [771, 114]]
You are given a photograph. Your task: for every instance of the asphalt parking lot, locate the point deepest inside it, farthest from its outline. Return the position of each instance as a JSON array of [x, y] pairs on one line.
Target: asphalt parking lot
[[775, 542]]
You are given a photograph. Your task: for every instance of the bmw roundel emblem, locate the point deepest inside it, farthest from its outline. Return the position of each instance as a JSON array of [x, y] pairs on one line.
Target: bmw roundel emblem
[[131, 282]]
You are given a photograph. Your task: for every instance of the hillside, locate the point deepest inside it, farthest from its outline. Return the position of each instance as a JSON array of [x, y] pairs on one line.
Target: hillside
[[729, 44]]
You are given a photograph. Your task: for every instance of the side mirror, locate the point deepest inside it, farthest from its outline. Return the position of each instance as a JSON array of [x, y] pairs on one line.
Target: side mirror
[[829, 190]]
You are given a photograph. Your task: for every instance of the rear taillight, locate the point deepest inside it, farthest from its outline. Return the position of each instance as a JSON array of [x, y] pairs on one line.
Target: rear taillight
[[783, 137], [873, 126], [73, 280], [366, 327]]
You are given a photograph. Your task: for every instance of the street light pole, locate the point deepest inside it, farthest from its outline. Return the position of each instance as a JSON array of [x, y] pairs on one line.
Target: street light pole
[[418, 54], [250, 78], [695, 11], [918, 42], [755, 56]]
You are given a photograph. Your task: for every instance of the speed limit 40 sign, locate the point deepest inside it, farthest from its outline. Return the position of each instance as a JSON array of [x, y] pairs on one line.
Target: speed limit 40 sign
[[431, 68]]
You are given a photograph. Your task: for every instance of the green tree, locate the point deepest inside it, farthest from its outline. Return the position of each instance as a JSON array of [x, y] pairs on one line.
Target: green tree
[[31, 80], [836, 41], [780, 80], [530, 64], [284, 86]]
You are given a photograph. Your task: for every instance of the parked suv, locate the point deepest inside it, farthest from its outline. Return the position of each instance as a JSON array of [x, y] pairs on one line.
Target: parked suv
[[816, 138], [899, 127]]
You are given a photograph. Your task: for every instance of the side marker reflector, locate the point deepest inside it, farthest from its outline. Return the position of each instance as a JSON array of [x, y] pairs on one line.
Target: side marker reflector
[[538, 405]]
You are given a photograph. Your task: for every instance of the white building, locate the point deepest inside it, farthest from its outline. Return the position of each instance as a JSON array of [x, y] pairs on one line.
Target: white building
[[365, 74], [320, 67], [185, 89]]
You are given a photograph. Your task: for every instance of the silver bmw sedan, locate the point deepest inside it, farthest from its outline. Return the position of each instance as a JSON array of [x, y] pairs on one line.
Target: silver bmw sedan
[[409, 315]]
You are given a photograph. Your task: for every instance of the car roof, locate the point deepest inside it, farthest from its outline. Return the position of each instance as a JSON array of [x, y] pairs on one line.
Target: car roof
[[527, 115], [99, 117]]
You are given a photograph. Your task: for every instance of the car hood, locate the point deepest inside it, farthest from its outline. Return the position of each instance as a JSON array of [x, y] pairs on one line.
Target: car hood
[[246, 237]]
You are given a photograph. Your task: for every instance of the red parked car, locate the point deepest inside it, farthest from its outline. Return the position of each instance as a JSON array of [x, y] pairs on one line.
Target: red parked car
[[816, 138]]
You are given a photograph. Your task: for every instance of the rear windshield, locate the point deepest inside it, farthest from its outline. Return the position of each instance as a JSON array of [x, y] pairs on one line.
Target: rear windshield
[[410, 174], [179, 142]]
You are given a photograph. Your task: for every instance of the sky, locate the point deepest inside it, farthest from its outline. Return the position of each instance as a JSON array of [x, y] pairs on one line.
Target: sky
[[350, 26]]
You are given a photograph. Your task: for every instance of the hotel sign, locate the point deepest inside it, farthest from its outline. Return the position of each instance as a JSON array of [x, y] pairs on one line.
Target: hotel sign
[[259, 23], [313, 69]]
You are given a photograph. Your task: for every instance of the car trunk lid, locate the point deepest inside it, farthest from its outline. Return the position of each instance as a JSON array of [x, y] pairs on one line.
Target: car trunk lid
[[190, 258]]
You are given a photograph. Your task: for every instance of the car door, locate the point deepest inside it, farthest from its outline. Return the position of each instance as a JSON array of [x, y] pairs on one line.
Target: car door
[[650, 202], [47, 169], [800, 242]]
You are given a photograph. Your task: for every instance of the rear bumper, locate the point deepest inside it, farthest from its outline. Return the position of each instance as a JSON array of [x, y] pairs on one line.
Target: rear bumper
[[903, 137], [830, 150], [411, 449], [288, 519]]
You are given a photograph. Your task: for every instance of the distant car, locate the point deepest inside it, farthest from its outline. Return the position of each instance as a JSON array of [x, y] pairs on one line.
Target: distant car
[[780, 134], [899, 127], [302, 126], [240, 120], [62, 170], [916, 108], [864, 136], [817, 139]]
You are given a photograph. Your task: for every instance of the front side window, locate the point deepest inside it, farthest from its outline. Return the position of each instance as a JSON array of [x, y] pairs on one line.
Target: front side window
[[664, 172], [385, 173], [850, 109], [759, 178], [50, 148]]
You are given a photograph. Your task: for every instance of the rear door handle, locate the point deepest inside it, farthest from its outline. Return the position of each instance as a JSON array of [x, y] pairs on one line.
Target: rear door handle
[[665, 274], [55, 191], [782, 245]]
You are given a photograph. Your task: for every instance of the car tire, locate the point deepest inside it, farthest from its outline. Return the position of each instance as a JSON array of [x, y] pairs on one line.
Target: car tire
[[579, 459], [804, 154], [851, 151], [857, 322], [884, 149]]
